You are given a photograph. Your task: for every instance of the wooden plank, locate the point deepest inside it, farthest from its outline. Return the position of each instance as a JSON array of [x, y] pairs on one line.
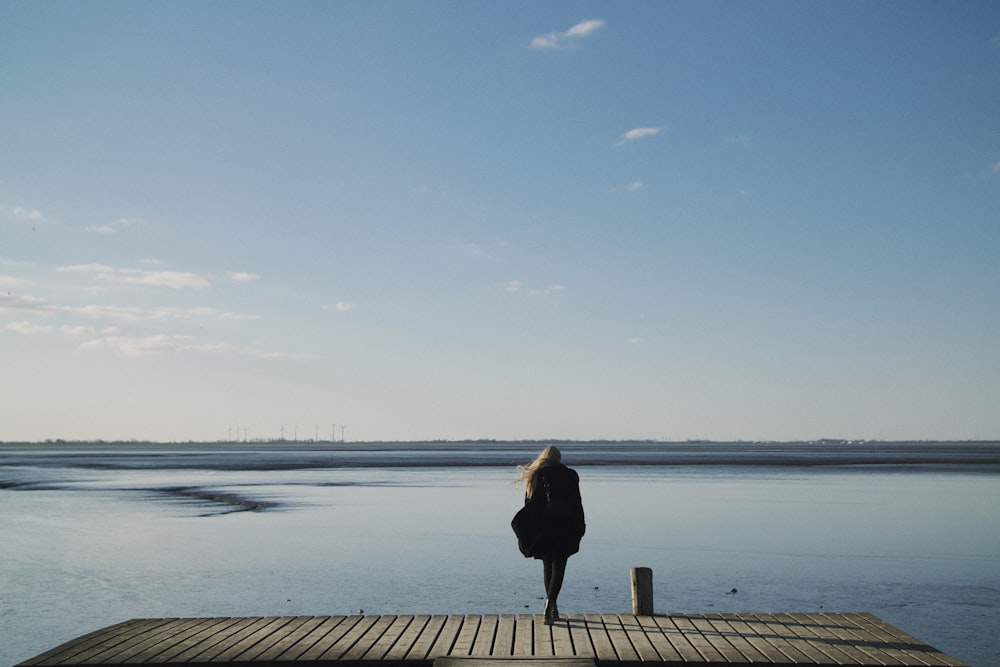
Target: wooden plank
[[562, 642], [483, 644], [364, 647], [889, 644], [819, 638], [583, 647], [205, 634], [524, 635], [210, 635], [152, 630], [676, 638], [446, 638], [234, 643], [743, 646], [161, 640], [543, 636], [138, 636], [664, 650], [381, 646], [615, 626], [319, 639], [705, 649], [717, 640], [604, 650], [251, 642], [275, 636], [118, 642], [364, 641], [472, 661], [776, 635], [638, 638], [833, 625], [910, 645], [503, 646], [333, 649], [407, 639], [466, 635], [295, 634], [71, 647], [754, 649], [425, 640]]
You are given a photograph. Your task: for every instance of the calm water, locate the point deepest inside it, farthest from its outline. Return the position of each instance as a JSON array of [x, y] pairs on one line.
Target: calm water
[[94, 536]]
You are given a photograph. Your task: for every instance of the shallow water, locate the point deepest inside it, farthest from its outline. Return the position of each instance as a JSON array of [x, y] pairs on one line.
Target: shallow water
[[87, 543]]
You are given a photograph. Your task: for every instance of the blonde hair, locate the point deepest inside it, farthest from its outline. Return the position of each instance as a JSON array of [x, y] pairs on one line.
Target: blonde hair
[[549, 455]]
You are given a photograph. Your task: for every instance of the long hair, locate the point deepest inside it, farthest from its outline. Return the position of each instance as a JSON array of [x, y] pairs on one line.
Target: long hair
[[549, 455]]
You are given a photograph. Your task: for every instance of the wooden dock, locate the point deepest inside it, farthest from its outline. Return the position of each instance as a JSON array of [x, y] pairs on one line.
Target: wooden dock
[[607, 640]]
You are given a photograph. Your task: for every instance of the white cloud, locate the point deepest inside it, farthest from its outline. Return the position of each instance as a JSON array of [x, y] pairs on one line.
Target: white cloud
[[551, 289], [585, 28], [514, 286], [99, 229], [14, 302], [11, 303], [139, 346], [100, 269], [10, 282], [76, 331], [112, 227], [561, 40], [243, 276], [29, 329], [134, 314], [344, 306], [741, 140], [996, 168], [638, 133], [171, 279], [634, 186], [995, 42], [21, 214], [634, 341]]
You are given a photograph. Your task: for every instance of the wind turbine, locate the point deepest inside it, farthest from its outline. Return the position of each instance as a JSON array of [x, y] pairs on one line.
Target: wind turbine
[[342, 433]]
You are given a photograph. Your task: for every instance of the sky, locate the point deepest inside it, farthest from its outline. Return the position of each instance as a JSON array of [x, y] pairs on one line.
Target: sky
[[515, 220]]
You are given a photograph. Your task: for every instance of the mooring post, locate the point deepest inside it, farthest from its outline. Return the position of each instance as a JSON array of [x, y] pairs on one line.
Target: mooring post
[[642, 591]]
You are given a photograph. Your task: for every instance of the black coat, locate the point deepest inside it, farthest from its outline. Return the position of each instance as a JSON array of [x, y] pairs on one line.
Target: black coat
[[551, 523]]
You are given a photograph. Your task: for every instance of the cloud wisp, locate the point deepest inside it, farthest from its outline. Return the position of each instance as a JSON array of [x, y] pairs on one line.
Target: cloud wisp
[[21, 214], [117, 225], [171, 279], [638, 133], [568, 39], [517, 286], [140, 346]]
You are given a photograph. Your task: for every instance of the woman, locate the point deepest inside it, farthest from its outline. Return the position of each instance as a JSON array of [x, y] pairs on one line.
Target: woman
[[551, 524]]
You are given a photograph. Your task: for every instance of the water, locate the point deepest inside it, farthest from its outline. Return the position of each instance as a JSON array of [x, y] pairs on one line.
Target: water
[[95, 535]]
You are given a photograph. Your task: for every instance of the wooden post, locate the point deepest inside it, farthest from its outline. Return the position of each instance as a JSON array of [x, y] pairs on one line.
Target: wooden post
[[642, 591]]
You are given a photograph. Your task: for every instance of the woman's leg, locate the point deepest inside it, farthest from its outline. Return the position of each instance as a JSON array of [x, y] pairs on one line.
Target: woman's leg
[[555, 570], [557, 567]]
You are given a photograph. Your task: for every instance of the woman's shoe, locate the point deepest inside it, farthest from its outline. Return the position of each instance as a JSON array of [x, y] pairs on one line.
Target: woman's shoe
[[551, 612]]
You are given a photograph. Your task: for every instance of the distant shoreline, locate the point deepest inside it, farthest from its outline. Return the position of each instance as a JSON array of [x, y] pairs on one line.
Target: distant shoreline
[[491, 441], [978, 456]]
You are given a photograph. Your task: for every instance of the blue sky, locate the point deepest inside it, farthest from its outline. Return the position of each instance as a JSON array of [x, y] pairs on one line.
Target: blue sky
[[768, 220]]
